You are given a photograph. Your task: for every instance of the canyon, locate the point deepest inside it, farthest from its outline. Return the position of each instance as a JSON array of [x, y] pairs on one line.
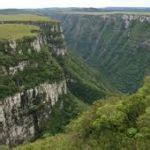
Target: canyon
[[78, 81], [117, 44]]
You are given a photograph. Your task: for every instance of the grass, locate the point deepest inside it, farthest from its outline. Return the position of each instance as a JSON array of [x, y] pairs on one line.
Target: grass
[[17, 31], [24, 17], [58, 142], [3, 147]]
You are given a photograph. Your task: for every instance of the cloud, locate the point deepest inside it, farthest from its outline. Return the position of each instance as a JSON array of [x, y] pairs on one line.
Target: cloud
[[72, 3]]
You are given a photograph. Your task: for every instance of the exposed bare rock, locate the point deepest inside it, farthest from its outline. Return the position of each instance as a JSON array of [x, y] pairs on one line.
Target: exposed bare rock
[[22, 115], [19, 67]]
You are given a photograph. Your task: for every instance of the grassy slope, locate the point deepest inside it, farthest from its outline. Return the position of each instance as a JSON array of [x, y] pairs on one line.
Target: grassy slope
[[16, 31], [23, 17], [119, 123]]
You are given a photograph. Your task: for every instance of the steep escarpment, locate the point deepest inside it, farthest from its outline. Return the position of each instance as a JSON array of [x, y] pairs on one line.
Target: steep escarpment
[[31, 79], [116, 44], [31, 54], [24, 114]]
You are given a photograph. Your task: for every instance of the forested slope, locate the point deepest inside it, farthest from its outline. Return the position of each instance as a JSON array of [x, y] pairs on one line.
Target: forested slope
[[115, 43], [115, 123]]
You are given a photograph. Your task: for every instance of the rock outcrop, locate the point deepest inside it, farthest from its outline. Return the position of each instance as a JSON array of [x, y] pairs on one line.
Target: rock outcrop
[[23, 115], [51, 35]]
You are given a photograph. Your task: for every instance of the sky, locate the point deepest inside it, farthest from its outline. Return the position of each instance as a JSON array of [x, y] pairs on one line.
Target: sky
[[72, 3]]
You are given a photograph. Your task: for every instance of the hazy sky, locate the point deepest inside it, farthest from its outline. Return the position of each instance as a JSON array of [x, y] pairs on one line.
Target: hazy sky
[[72, 3]]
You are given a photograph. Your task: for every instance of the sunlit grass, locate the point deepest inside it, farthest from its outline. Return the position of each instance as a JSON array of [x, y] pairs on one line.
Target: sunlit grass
[[17, 31], [24, 17]]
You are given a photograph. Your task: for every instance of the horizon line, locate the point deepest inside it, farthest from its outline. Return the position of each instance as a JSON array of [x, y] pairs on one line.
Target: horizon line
[[77, 7]]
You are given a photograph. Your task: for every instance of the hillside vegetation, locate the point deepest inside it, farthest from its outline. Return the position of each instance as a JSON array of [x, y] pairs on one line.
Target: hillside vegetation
[[114, 43], [116, 123], [84, 82], [31, 76]]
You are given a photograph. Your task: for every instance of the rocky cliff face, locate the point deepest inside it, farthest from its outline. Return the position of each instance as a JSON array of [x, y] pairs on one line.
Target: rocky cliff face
[[51, 35], [116, 44], [23, 115], [31, 82]]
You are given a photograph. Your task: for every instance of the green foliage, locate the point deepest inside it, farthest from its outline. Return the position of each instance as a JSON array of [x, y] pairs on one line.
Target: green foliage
[[125, 120], [84, 82], [46, 70], [133, 107], [68, 108], [146, 89], [116, 123], [57, 142], [132, 132]]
